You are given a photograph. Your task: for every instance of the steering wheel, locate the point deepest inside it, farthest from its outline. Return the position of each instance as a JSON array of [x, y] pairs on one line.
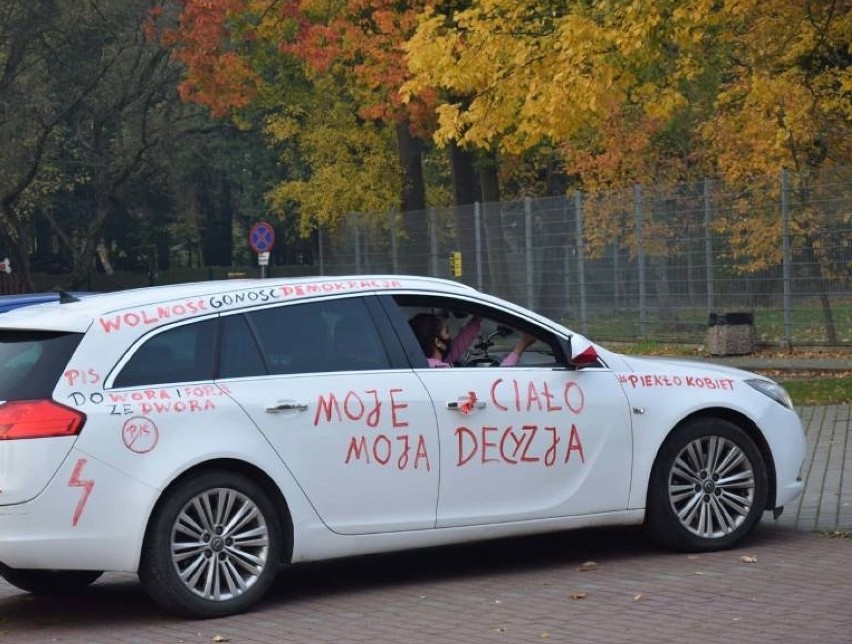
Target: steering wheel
[[478, 355]]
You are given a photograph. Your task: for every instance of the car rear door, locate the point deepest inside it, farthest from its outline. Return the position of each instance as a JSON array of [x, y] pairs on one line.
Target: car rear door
[[344, 412]]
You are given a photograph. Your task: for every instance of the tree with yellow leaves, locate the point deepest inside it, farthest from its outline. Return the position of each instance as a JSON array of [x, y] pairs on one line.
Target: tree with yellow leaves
[[644, 91], [636, 89]]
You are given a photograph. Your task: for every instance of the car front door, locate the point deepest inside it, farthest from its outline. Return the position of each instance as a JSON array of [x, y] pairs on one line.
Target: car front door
[[528, 441], [356, 431]]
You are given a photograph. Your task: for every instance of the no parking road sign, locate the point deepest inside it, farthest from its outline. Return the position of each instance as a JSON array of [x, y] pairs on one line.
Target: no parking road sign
[[261, 237]]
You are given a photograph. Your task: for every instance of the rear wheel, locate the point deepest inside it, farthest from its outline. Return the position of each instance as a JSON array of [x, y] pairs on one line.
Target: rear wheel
[[708, 487], [213, 547], [46, 582]]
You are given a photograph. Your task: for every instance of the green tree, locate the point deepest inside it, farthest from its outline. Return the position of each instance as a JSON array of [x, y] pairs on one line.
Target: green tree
[[91, 102]]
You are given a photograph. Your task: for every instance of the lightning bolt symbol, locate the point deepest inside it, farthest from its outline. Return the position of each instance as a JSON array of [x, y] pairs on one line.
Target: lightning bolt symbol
[[86, 484]]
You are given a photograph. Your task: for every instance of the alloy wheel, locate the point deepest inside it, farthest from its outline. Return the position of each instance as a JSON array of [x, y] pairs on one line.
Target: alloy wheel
[[711, 487], [220, 544]]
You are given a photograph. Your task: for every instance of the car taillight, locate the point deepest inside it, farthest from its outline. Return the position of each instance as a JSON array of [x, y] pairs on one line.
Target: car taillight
[[38, 419]]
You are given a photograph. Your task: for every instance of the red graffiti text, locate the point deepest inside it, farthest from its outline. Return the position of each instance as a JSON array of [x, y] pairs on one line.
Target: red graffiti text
[[511, 445], [401, 451]]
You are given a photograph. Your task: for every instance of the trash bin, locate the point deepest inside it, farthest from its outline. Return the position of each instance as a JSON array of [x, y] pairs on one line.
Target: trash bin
[[731, 334]]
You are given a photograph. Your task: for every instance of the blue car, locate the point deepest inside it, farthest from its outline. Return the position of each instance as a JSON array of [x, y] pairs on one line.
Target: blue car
[[10, 302]]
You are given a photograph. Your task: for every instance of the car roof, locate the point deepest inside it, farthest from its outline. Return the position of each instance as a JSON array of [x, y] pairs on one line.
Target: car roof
[[210, 296], [17, 300]]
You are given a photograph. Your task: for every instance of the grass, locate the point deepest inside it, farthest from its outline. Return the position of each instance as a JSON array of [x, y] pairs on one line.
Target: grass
[[689, 324], [822, 390], [805, 386]]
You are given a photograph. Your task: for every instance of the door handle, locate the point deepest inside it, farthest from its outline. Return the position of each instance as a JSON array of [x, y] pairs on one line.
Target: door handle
[[455, 405], [286, 405]]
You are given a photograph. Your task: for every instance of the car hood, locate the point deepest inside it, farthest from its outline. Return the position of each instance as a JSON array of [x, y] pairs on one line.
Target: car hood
[[653, 363]]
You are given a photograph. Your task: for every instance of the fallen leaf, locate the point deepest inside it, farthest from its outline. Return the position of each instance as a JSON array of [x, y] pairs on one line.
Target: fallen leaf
[[637, 597], [544, 636], [500, 629], [698, 572], [578, 595], [749, 558], [838, 534], [221, 638], [588, 565]]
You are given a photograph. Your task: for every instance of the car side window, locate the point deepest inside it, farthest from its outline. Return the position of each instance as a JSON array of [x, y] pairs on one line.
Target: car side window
[[476, 335], [239, 355], [180, 354], [331, 335]]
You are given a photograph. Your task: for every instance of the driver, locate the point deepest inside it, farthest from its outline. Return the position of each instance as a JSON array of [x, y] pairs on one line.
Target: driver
[[433, 334]]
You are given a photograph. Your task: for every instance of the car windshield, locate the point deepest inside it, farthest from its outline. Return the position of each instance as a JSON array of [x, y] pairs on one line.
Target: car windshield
[[31, 362]]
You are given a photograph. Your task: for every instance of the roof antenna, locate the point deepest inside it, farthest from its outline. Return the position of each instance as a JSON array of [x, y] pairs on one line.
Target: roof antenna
[[65, 297]]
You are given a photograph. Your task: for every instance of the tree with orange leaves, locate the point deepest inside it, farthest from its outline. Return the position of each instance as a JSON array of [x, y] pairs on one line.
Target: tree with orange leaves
[[303, 61]]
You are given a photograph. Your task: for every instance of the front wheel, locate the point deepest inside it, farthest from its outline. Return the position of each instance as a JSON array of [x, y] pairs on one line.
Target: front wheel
[[213, 547], [47, 582], [708, 487]]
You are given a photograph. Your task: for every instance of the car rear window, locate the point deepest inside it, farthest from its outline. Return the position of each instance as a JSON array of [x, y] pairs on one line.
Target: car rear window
[[31, 362]]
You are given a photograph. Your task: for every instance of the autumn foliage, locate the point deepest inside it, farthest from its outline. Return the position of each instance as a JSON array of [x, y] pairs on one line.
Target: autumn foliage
[[218, 75], [625, 91]]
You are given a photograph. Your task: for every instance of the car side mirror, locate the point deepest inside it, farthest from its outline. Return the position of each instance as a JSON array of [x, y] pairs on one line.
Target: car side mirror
[[586, 358]]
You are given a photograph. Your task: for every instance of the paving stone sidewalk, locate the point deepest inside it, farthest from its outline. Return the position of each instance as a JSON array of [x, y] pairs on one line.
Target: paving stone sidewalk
[[826, 504], [791, 582]]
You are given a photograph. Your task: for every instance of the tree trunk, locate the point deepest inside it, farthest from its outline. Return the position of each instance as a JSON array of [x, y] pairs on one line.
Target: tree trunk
[[556, 233], [19, 246], [465, 195], [410, 150], [465, 181], [495, 239], [412, 246]]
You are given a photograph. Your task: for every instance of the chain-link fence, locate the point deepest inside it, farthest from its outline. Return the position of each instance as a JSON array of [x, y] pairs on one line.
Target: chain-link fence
[[651, 263]]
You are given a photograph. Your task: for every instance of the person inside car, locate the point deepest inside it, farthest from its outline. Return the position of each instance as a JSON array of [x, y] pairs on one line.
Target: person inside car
[[433, 335]]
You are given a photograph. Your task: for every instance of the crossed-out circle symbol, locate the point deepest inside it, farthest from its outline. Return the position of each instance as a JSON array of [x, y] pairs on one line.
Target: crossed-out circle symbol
[[140, 434], [261, 237]]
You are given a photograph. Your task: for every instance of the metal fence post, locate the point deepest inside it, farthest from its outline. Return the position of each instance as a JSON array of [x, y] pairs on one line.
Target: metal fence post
[[394, 242], [433, 242], [581, 261], [640, 260], [528, 251], [320, 251], [567, 270], [708, 250], [616, 268], [477, 225], [357, 237], [787, 257]]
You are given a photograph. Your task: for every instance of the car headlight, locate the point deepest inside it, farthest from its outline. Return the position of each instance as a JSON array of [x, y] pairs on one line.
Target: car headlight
[[773, 390]]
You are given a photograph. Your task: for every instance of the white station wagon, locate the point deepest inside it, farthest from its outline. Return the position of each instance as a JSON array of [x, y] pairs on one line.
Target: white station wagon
[[204, 434]]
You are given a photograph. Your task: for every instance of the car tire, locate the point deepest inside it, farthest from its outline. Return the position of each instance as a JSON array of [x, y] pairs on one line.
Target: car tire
[[49, 582], [708, 487], [213, 546]]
